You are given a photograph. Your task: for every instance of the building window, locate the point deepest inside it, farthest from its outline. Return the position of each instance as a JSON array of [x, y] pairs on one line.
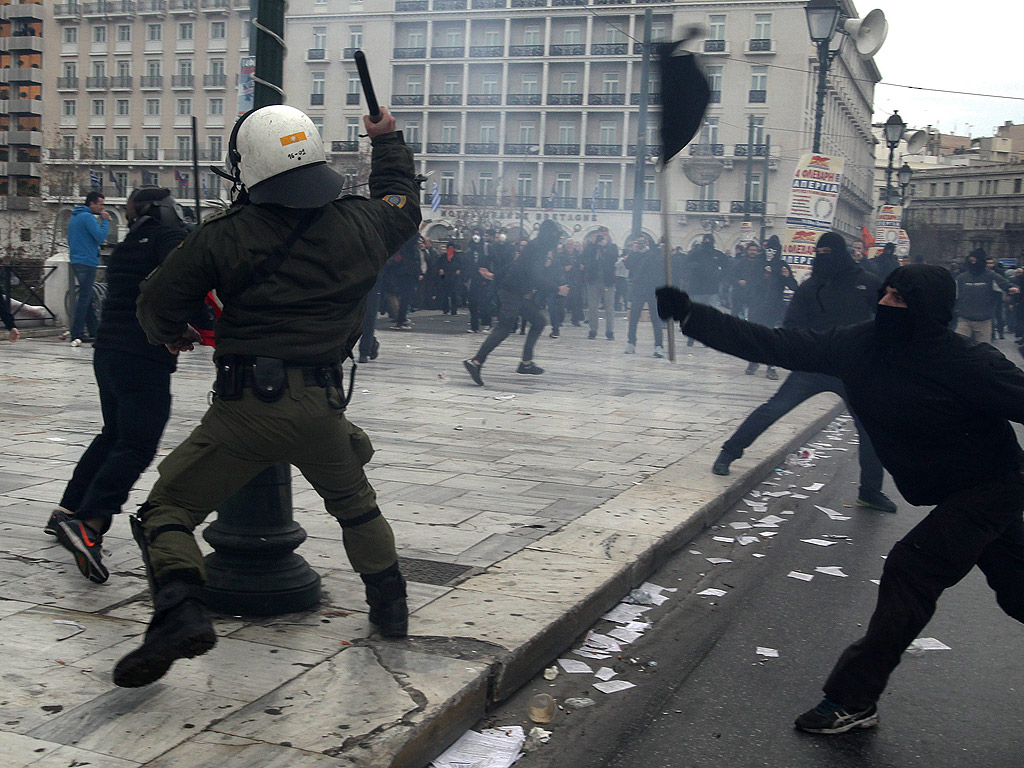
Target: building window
[[319, 37], [353, 82], [709, 131], [488, 133], [566, 133], [70, 69], [613, 35], [489, 83], [1017, 186], [99, 108], [570, 82], [355, 36], [485, 183], [186, 31], [185, 67], [98, 146], [563, 185], [217, 67], [319, 81], [605, 187], [945, 189], [415, 39], [216, 143], [762, 26], [524, 184], [123, 107], [154, 32], [492, 37], [153, 145], [453, 38], [352, 129], [610, 82], [759, 78], [714, 75], [527, 132], [412, 132], [153, 108], [531, 36], [716, 27], [184, 147], [447, 183], [452, 85], [609, 132], [530, 84], [755, 186], [414, 85], [995, 187], [449, 132], [650, 188], [99, 69], [318, 123], [184, 107], [99, 34], [124, 33], [218, 30], [69, 107], [216, 109], [153, 68], [572, 34], [71, 35], [124, 69], [933, 190], [959, 188]]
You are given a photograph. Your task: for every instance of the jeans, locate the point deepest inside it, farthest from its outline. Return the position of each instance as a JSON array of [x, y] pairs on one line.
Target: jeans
[[85, 313], [979, 526], [508, 321], [135, 400], [798, 387], [637, 300], [595, 293]]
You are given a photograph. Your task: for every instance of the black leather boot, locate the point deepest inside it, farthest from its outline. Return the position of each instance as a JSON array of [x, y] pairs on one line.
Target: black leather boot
[[180, 629], [385, 594]]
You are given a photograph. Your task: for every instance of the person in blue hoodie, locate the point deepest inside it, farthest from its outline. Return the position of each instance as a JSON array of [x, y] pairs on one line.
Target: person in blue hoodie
[[85, 234]]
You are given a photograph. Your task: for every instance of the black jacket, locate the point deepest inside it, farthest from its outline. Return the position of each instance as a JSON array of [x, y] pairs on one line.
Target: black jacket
[[838, 292], [599, 263], [142, 251], [646, 271], [703, 270], [937, 406]]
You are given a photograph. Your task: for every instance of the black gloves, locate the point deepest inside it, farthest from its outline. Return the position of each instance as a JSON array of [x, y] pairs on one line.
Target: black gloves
[[673, 303]]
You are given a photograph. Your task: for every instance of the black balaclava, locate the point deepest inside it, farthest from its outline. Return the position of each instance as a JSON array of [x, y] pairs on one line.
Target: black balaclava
[[978, 266], [838, 261], [549, 234], [930, 293]]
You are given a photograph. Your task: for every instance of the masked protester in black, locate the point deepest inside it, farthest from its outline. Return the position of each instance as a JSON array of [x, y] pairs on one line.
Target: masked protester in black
[[938, 408]]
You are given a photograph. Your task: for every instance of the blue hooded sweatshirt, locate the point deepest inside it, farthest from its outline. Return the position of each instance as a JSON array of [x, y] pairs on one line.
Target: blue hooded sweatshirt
[[85, 235]]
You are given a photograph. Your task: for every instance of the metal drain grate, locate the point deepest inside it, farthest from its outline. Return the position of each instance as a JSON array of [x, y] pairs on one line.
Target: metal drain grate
[[430, 571]]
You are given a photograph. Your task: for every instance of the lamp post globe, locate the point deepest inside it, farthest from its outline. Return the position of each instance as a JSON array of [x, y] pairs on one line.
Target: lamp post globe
[[904, 175], [822, 19], [893, 129]]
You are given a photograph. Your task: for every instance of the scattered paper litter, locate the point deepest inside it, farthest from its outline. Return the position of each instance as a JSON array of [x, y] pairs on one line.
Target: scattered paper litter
[[613, 686], [875, 581], [832, 514], [740, 526], [928, 644], [588, 654], [605, 673], [799, 496], [723, 539], [801, 576], [818, 542], [777, 494], [56, 439], [769, 534], [769, 653], [600, 644], [80, 628], [814, 487], [625, 634], [490, 748], [712, 592], [624, 613], [718, 560], [744, 540], [504, 397], [758, 554], [772, 520], [832, 570], [648, 594], [696, 552], [573, 667]]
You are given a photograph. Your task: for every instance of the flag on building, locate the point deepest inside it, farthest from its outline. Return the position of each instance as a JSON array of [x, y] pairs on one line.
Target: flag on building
[[94, 179], [179, 178], [435, 198], [593, 198], [117, 185]]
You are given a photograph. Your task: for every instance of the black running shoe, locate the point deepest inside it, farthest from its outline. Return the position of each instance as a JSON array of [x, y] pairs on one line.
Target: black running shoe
[[55, 518], [86, 545], [375, 349], [473, 367], [830, 717], [531, 368], [876, 500]]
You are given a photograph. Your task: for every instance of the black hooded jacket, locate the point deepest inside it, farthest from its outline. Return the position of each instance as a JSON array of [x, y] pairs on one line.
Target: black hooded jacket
[[838, 292], [936, 405], [528, 273]]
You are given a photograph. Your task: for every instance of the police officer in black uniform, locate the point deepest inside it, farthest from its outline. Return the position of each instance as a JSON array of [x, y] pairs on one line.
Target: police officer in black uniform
[[292, 266]]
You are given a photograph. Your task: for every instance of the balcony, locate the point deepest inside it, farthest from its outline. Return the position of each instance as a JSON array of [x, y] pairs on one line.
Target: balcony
[[151, 7], [348, 53], [565, 99], [523, 99], [521, 149], [210, 155], [218, 80], [740, 206], [758, 97], [151, 81], [571, 49], [760, 45], [715, 98], [97, 83], [604, 150], [181, 6], [486, 51], [601, 203], [485, 4], [345, 146], [561, 149], [121, 82], [67, 11], [714, 46], [94, 9], [445, 99], [523, 201], [561, 203], [652, 98], [606, 99], [707, 150], [351, 98], [62, 153], [609, 49], [411, 6], [408, 100], [480, 200], [702, 206], [443, 147], [316, 54], [409, 53], [529, 3], [183, 81], [215, 6], [563, 3], [525, 50], [447, 51], [483, 99], [449, 198], [483, 148], [316, 99], [67, 83], [151, 154], [120, 8], [743, 150], [415, 146], [449, 5], [649, 205]]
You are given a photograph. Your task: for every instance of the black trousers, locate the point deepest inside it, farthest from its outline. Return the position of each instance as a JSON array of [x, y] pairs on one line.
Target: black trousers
[[979, 526], [508, 319], [368, 338], [135, 400]]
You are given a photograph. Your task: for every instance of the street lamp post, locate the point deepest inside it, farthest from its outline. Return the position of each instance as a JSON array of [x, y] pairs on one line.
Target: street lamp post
[[822, 22], [532, 150], [893, 129]]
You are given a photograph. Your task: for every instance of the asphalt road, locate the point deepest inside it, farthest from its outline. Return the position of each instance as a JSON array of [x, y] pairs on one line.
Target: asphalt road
[[704, 696]]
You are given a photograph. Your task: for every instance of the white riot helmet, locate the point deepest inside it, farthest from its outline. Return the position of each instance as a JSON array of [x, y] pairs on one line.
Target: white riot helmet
[[278, 156]]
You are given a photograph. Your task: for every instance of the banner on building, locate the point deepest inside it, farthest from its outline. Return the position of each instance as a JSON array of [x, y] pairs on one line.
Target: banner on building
[[813, 198], [246, 84]]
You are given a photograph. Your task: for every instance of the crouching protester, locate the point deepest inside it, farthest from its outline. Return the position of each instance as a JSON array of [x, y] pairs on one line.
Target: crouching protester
[[292, 267], [937, 407]]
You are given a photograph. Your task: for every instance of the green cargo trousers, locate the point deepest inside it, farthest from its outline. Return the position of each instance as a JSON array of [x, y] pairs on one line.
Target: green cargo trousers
[[237, 440]]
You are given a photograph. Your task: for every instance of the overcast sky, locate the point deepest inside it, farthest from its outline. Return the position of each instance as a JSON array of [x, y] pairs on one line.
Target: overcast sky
[[963, 45]]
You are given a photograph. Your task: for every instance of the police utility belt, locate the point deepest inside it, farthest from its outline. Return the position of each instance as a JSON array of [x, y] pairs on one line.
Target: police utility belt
[[267, 377]]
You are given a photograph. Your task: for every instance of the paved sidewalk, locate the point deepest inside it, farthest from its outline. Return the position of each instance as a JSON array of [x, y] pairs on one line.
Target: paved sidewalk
[[526, 509]]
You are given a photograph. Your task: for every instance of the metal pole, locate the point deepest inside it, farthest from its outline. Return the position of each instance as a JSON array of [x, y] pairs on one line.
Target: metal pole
[[764, 186], [750, 166], [888, 175], [641, 129], [822, 84], [195, 168], [667, 251]]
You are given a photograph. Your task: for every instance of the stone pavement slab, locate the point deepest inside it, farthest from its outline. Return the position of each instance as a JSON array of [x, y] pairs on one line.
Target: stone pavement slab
[[545, 499]]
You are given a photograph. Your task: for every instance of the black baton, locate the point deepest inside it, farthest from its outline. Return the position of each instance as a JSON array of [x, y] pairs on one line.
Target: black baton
[[364, 77]]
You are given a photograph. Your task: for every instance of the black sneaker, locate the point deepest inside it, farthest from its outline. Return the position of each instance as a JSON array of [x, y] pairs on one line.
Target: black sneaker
[[592, 335], [55, 518], [532, 368], [375, 349], [363, 359], [771, 374], [721, 465], [554, 334], [751, 369], [86, 545], [829, 717], [473, 367], [876, 500], [610, 336]]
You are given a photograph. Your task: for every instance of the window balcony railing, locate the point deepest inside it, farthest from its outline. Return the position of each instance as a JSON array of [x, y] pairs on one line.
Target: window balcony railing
[[702, 206], [759, 45], [529, 3], [743, 150], [522, 149], [565, 99], [448, 51], [120, 7], [67, 83], [411, 6], [523, 201], [652, 98], [151, 7], [316, 54], [67, 10], [758, 97], [525, 50], [561, 203], [609, 49], [449, 198], [146, 154], [316, 99], [563, 3], [479, 199], [215, 81], [714, 46], [606, 99], [649, 205], [567, 49], [410, 53], [210, 155], [523, 99], [561, 149], [443, 147], [604, 150], [482, 148], [601, 203], [707, 150], [183, 81], [486, 51], [611, 2], [216, 5], [741, 206], [121, 82], [348, 53], [484, 4], [62, 153], [415, 146], [352, 98], [408, 100], [449, 5], [97, 83], [483, 99], [181, 6], [445, 99], [345, 146], [151, 81]]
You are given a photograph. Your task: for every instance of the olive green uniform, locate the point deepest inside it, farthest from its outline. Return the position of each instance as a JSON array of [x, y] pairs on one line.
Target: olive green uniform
[[306, 313]]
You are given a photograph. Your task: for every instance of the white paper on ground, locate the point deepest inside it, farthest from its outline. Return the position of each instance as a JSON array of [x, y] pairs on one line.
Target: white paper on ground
[[588, 654], [613, 686], [800, 496], [744, 540], [491, 748], [818, 542], [723, 539], [696, 552], [772, 520], [605, 673], [712, 592], [777, 494], [625, 634], [801, 576], [718, 560], [573, 667], [623, 613], [929, 644], [832, 514], [769, 653], [814, 487], [769, 534], [875, 581], [598, 642], [758, 554], [832, 570], [740, 526]]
